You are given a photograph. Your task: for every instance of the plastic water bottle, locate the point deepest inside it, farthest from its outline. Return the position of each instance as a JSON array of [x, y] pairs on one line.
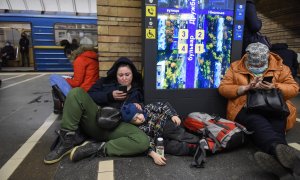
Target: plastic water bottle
[[160, 147]]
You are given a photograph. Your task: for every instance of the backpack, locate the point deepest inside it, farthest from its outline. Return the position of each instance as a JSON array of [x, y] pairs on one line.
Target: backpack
[[218, 134]]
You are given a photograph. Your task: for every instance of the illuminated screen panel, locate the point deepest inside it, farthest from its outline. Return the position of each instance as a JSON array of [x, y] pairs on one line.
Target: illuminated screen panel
[[194, 40]]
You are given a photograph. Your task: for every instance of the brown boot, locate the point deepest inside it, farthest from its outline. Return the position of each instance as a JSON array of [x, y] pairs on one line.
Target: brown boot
[[57, 104]]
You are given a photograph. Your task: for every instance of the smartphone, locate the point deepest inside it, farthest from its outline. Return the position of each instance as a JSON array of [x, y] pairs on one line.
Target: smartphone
[[123, 88], [268, 79]]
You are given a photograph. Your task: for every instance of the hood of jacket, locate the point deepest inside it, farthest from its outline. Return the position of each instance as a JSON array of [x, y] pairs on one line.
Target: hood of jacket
[[112, 72], [86, 50]]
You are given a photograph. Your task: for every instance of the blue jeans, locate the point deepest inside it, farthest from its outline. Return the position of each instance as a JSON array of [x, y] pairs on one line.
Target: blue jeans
[[58, 80]]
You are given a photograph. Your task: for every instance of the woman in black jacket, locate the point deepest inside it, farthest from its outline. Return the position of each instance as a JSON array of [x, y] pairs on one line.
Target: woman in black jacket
[[80, 112], [106, 90]]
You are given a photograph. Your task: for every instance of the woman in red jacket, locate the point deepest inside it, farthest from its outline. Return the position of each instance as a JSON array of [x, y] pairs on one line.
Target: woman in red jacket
[[86, 73]]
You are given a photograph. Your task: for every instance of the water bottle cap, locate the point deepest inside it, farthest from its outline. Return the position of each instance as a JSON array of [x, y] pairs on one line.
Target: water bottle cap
[[160, 139]]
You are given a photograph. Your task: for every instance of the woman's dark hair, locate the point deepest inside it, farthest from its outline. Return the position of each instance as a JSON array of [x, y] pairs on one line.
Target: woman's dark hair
[[74, 44], [64, 43], [67, 46], [137, 80]]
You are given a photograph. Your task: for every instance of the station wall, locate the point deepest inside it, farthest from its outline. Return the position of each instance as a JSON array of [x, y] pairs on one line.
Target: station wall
[[281, 21], [119, 32], [119, 28]]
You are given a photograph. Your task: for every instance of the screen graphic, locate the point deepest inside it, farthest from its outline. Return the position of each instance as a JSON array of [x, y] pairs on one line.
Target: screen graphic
[[194, 40]]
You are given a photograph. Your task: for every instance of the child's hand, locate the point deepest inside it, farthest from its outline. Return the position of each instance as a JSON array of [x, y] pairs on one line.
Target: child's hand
[[176, 120], [138, 106], [159, 160]]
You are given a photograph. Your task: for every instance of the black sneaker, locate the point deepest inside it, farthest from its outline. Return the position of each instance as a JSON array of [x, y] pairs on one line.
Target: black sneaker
[[269, 164], [286, 155], [64, 146], [87, 149]]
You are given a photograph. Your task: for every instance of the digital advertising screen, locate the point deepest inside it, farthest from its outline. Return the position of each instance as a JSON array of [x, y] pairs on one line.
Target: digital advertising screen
[[188, 46], [194, 42]]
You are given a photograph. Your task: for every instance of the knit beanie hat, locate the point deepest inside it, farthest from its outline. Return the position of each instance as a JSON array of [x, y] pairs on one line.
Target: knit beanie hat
[[257, 58], [128, 111]]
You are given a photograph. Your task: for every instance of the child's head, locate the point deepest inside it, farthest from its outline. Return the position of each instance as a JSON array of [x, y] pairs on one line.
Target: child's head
[[131, 114]]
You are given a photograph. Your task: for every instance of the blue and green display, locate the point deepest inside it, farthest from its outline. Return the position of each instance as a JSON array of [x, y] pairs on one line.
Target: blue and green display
[[194, 42]]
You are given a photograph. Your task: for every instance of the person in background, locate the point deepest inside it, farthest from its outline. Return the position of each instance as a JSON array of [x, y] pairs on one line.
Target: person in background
[[7, 53], [84, 39], [67, 47], [74, 44], [288, 56], [274, 155], [24, 49], [160, 119], [86, 73], [80, 112], [252, 24]]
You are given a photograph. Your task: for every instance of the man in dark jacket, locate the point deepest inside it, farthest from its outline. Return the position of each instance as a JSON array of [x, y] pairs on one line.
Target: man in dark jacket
[[24, 49], [289, 56], [252, 24], [7, 53]]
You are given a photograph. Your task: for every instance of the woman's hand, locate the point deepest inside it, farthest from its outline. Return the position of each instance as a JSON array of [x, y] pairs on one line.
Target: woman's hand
[[119, 95], [252, 85], [176, 120], [266, 85], [158, 159]]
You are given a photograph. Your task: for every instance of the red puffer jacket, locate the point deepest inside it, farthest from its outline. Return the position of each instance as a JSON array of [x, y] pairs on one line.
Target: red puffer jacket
[[86, 70]]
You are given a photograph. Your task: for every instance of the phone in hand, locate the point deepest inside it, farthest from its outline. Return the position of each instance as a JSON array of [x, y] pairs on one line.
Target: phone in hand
[[123, 88], [268, 79]]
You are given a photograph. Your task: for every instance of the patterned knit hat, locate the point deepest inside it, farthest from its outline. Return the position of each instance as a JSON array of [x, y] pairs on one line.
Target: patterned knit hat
[[128, 111], [257, 59]]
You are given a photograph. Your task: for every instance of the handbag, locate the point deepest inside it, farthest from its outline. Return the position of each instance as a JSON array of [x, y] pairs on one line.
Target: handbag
[[108, 117], [267, 101]]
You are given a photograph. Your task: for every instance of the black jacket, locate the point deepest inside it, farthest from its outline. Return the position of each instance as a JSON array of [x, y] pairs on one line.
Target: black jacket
[[252, 24], [24, 44], [289, 56], [101, 91], [8, 52]]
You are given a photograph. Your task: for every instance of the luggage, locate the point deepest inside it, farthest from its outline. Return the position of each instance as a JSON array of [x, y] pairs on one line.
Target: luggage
[[218, 134]]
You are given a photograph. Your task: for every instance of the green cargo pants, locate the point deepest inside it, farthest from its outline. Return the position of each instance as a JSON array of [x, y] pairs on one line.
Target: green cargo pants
[[80, 111]]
